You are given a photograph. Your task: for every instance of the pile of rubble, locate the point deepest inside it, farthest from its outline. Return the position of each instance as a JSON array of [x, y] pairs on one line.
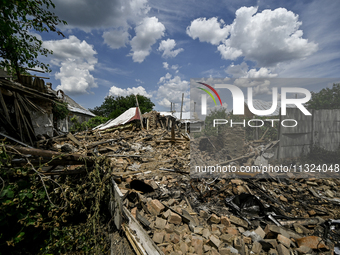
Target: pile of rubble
[[162, 209], [232, 216]]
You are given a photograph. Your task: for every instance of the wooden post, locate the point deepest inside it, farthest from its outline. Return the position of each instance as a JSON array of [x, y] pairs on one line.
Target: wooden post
[[140, 114], [172, 131], [182, 106]]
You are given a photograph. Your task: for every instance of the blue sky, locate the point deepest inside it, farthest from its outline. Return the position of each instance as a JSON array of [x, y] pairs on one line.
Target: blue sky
[[117, 47]]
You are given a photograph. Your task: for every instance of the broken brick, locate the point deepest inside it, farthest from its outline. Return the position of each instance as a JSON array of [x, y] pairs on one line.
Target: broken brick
[[313, 242], [225, 221], [174, 218], [214, 219], [155, 207]]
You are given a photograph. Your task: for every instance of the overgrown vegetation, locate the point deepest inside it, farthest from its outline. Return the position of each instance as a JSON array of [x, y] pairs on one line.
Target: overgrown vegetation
[[60, 110], [209, 129], [269, 128], [39, 215], [320, 155], [113, 106], [86, 125], [327, 98]]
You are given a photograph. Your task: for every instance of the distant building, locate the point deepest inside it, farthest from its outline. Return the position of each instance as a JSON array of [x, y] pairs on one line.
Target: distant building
[[76, 110]]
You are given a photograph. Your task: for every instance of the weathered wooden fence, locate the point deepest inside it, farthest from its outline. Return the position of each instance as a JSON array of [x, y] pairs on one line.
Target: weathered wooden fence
[[321, 129]]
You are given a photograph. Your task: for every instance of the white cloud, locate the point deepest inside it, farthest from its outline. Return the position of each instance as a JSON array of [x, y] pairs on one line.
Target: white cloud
[[115, 91], [165, 65], [147, 33], [174, 67], [139, 81], [262, 89], [76, 59], [167, 46], [116, 39], [269, 37], [88, 15], [171, 91], [163, 78], [260, 86], [208, 30], [241, 71]]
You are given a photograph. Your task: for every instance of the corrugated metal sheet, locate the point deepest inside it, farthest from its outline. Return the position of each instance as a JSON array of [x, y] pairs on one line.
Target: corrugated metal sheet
[[79, 110], [127, 116]]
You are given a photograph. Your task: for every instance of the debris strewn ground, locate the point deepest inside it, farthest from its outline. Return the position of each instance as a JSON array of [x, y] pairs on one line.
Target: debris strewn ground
[[184, 215]]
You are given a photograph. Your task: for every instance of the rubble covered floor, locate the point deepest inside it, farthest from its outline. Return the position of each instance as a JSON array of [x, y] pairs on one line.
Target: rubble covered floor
[[184, 215]]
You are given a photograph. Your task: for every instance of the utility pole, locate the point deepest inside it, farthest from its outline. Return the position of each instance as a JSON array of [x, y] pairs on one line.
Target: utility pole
[[182, 106]]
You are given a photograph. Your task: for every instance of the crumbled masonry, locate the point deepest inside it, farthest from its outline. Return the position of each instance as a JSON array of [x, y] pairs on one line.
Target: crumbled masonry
[[184, 215]]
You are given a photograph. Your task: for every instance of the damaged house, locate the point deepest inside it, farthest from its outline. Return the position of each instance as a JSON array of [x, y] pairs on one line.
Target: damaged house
[[26, 109]]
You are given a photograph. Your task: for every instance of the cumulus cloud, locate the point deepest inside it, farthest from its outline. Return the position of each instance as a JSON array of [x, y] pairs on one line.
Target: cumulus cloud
[[166, 77], [167, 46], [115, 91], [139, 81], [260, 86], [171, 90], [116, 39], [165, 65], [147, 33], [241, 71], [211, 30], [89, 14], [76, 59], [174, 67], [269, 37]]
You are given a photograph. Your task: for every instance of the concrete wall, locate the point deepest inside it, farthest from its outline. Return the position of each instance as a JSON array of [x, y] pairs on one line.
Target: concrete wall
[[321, 129]]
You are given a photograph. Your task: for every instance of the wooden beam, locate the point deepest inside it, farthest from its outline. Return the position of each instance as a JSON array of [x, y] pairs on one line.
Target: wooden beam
[[35, 70], [3, 104], [40, 77]]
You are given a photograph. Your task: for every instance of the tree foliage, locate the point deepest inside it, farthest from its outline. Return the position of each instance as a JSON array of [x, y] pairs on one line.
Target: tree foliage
[[19, 47], [92, 123], [326, 98], [220, 113], [113, 106], [64, 215]]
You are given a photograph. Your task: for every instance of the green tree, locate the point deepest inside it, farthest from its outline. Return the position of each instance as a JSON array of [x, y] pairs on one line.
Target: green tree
[[113, 106], [220, 113], [19, 47], [326, 98]]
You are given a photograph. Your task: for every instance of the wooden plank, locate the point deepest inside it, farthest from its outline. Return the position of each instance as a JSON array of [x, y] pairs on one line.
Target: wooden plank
[[141, 238], [117, 206], [92, 145], [24, 120], [40, 77], [133, 241], [18, 117], [35, 70], [4, 107], [73, 139]]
